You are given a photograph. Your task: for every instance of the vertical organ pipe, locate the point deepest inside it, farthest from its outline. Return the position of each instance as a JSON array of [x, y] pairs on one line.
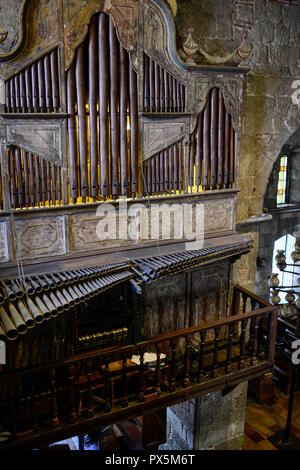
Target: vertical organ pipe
[[93, 75], [54, 80], [103, 104], [72, 141], [113, 106], [82, 127], [220, 139], [123, 120], [213, 136]]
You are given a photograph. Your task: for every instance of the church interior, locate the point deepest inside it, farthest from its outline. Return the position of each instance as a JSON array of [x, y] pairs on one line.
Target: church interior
[[149, 225]]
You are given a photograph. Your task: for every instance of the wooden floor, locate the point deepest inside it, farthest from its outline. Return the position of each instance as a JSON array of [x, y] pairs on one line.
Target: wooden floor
[[263, 420]]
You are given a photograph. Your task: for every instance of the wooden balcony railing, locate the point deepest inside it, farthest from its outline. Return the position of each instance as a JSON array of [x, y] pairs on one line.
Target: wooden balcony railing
[[91, 390]]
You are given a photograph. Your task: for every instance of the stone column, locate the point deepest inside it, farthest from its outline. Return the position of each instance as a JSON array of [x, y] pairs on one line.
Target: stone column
[[213, 421]]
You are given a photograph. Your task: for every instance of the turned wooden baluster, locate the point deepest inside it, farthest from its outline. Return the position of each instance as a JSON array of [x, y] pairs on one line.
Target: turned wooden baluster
[[253, 360], [141, 388], [172, 384], [250, 343], [12, 408], [229, 349], [243, 344], [244, 298], [71, 377], [201, 356], [157, 371], [33, 401], [107, 388], [90, 389], [216, 351], [54, 420], [124, 400], [187, 362]]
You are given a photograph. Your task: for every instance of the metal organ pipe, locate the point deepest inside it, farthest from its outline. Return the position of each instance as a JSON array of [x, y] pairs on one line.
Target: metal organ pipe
[[103, 103], [93, 74]]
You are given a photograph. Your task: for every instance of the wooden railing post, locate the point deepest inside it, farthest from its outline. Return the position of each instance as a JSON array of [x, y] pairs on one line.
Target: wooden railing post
[[71, 370], [201, 356], [253, 360], [243, 344], [124, 400], [107, 388], [33, 401], [187, 365], [54, 420], [173, 367], [141, 391], [229, 349], [216, 350], [157, 371]]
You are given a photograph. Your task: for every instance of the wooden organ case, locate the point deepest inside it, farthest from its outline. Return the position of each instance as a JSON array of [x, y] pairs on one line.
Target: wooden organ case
[[101, 112]]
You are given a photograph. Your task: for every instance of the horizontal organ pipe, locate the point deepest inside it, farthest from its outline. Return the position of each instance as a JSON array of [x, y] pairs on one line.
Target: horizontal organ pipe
[[212, 148], [35, 88], [162, 92], [32, 179]]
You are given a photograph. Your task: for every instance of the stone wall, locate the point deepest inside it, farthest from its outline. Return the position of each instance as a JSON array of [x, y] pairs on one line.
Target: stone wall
[[213, 421]]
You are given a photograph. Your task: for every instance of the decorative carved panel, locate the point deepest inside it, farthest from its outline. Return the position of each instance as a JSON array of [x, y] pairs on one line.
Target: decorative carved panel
[[37, 136], [40, 237], [4, 256]]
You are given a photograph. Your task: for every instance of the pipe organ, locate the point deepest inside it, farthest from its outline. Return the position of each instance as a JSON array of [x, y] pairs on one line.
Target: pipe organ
[[106, 95]]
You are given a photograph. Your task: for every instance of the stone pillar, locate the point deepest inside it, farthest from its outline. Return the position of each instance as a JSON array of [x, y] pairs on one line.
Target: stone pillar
[[213, 421]]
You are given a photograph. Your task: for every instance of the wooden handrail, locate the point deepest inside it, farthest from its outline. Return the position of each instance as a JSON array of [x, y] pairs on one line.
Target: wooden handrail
[[104, 353]]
